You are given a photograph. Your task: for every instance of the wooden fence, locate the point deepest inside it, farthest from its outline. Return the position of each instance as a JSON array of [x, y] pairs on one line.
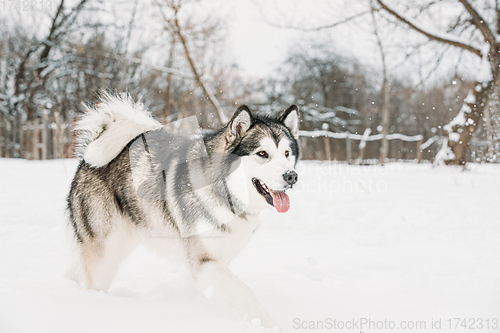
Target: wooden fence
[[49, 138], [326, 145], [45, 138]]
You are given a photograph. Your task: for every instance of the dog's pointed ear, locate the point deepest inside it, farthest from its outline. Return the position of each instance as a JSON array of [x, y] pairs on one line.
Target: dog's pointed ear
[[239, 124], [290, 118]]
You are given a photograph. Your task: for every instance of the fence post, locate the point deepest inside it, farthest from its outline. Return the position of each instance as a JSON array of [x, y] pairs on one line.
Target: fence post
[[15, 136], [2, 134], [348, 148], [72, 120], [362, 143], [326, 142], [45, 133], [36, 139], [419, 150], [361, 154], [8, 137], [22, 132], [56, 137], [328, 152], [30, 132]]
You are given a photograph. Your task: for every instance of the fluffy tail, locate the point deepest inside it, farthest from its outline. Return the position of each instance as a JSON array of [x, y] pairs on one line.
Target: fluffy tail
[[107, 128]]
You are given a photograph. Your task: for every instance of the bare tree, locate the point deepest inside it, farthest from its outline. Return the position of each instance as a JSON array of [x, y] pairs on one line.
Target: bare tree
[[180, 31], [384, 110], [31, 67], [483, 30], [384, 150]]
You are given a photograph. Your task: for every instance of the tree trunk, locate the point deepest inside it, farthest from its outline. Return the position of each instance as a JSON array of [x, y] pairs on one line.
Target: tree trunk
[[462, 127], [28, 149], [2, 135], [36, 139], [167, 109], [8, 136], [45, 136], [385, 120], [20, 127], [56, 137], [211, 98], [385, 93], [15, 134], [489, 131]]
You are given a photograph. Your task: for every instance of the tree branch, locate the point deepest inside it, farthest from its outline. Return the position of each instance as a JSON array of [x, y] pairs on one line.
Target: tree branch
[[479, 22], [211, 97], [429, 35], [175, 26], [57, 29], [53, 28], [497, 8], [167, 70], [323, 27]]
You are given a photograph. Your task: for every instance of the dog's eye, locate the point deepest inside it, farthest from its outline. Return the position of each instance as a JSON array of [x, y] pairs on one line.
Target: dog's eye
[[263, 154], [287, 153]]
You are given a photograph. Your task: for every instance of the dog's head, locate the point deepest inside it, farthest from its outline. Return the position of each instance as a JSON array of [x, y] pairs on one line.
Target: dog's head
[[268, 151]]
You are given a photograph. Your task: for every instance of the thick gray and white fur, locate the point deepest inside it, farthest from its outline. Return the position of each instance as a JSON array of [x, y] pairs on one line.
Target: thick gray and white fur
[[191, 197]]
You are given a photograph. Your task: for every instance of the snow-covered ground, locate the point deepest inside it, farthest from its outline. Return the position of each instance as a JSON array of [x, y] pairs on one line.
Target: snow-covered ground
[[408, 244]]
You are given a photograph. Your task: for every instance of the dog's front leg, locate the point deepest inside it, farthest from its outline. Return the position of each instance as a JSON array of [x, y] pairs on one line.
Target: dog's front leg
[[224, 288]]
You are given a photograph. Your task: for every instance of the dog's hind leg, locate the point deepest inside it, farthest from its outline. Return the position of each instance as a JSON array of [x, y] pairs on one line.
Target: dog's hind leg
[[103, 236], [101, 258]]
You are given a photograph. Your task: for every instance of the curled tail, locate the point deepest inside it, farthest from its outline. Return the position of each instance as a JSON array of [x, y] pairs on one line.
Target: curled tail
[[104, 130]]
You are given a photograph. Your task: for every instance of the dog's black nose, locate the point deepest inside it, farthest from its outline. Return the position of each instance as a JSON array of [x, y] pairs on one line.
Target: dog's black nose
[[290, 177]]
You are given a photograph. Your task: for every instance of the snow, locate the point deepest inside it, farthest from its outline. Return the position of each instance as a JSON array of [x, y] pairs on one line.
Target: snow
[[484, 75], [429, 142], [459, 119], [454, 136], [444, 154], [209, 292], [471, 98], [401, 242], [366, 135]]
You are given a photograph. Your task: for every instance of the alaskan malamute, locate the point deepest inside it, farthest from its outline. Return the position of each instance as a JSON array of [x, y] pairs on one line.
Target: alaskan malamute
[[190, 196]]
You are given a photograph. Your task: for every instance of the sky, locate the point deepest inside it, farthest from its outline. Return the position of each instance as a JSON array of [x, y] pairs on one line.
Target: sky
[[258, 48], [255, 46]]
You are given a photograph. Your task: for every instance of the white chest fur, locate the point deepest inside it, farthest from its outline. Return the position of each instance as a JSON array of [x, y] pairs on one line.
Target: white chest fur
[[225, 245]]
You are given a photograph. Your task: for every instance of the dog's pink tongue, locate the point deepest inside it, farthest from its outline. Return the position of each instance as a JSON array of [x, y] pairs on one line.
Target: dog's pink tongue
[[281, 201]]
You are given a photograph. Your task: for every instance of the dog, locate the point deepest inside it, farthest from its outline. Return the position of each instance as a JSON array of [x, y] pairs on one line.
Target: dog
[[194, 197]]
